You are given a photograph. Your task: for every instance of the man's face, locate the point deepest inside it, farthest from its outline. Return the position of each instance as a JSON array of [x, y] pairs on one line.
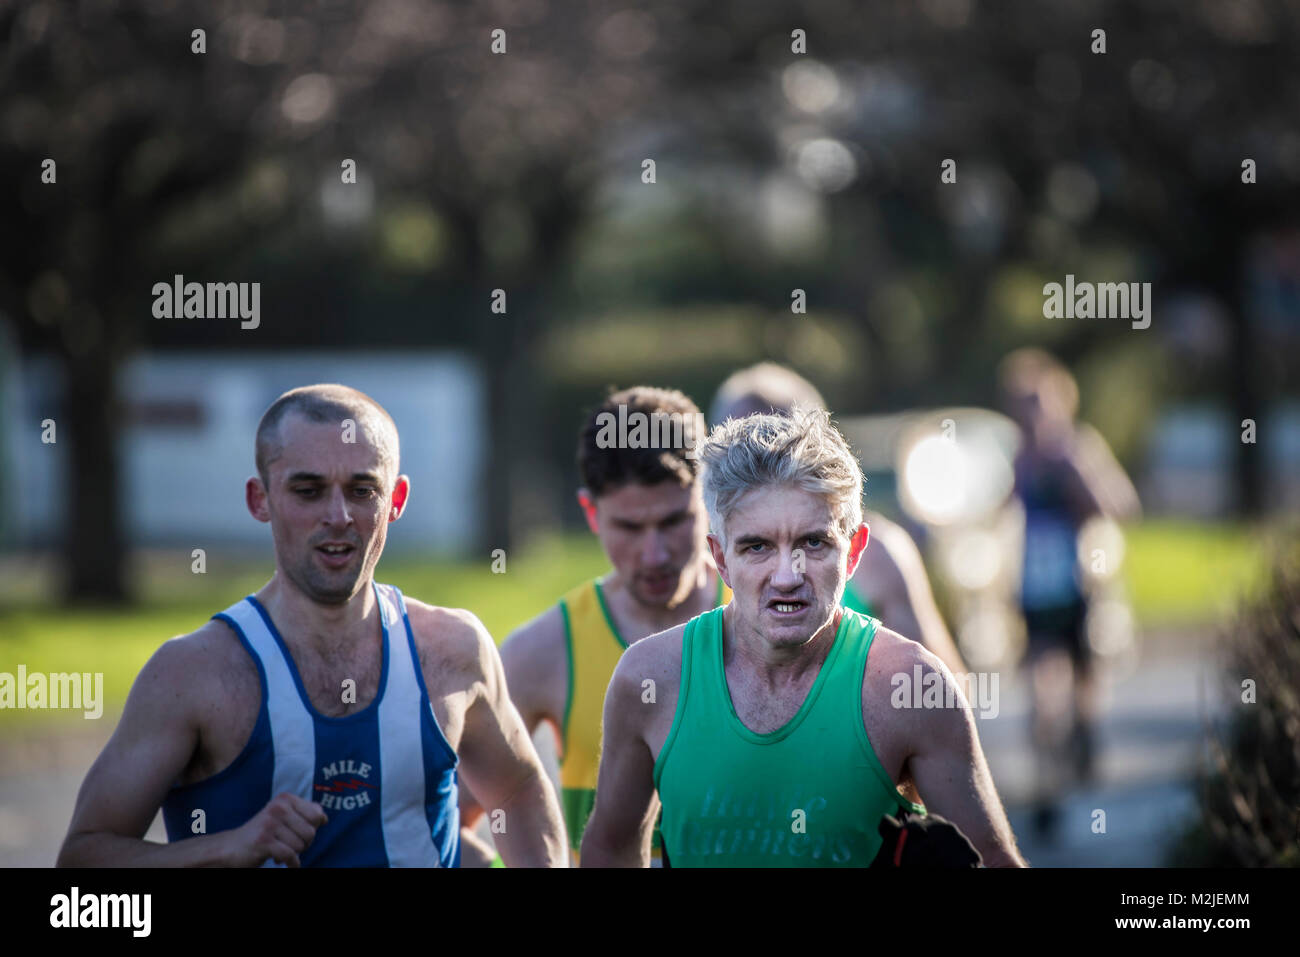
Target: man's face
[[787, 563], [329, 503], [654, 536]]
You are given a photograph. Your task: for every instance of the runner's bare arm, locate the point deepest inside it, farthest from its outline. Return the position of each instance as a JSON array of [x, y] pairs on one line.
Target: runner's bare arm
[[501, 766], [536, 672], [949, 769], [907, 604], [152, 745], [621, 825], [474, 851], [1100, 472]]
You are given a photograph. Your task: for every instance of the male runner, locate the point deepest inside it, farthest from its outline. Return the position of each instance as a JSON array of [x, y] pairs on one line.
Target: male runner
[[325, 720], [643, 502], [891, 583], [771, 737], [1065, 474]]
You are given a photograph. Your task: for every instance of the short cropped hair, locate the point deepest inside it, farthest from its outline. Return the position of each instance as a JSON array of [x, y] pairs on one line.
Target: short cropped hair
[[1031, 370], [333, 403], [766, 388], [666, 451], [802, 449]]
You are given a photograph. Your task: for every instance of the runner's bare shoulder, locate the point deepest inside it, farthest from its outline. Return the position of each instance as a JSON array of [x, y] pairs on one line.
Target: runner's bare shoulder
[[894, 659], [891, 651], [201, 675], [536, 649], [452, 644], [898, 666], [894, 553], [656, 658]]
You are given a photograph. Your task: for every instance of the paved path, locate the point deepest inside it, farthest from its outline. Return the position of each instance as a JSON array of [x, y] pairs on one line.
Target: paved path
[[1150, 734], [43, 770]]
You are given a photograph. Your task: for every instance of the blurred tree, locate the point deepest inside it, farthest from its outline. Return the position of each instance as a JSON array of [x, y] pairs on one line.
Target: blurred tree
[[169, 160], [1116, 158], [483, 156], [147, 141]]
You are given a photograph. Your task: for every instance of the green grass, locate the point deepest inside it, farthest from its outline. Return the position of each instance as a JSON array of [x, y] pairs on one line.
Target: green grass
[[118, 641], [1186, 573], [1178, 573]]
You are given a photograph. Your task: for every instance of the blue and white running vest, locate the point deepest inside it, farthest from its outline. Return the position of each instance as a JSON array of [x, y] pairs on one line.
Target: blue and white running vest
[[385, 776]]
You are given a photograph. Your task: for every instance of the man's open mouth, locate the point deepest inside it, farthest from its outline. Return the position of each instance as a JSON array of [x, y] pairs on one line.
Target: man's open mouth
[[336, 553], [790, 607]]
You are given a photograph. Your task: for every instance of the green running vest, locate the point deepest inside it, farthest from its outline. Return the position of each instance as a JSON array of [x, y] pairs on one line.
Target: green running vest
[[810, 794]]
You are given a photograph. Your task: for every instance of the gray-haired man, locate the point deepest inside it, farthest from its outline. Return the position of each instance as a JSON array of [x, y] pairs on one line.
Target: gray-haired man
[[766, 727], [891, 582]]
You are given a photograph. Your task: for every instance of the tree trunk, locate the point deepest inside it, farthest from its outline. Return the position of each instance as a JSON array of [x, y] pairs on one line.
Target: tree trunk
[[1226, 277], [94, 544]]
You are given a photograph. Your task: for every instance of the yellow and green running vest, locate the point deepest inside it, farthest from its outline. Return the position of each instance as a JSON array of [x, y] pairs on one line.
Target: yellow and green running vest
[[810, 794], [594, 646]]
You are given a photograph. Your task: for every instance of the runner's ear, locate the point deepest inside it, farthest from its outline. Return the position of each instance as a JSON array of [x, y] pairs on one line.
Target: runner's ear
[[588, 506], [719, 558], [255, 495], [857, 544], [400, 493]]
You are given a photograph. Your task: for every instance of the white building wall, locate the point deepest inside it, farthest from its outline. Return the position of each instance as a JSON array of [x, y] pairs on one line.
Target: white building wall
[[184, 483]]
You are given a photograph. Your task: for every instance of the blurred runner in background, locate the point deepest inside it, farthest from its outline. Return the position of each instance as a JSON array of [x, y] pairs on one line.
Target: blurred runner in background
[[1065, 474]]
